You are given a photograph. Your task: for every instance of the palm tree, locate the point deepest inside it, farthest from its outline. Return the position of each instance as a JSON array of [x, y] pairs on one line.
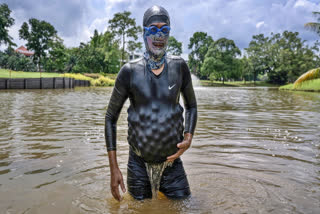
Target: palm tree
[[314, 26]]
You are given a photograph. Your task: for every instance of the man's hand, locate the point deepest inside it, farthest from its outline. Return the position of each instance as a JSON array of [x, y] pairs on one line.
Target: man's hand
[[183, 146], [116, 180], [116, 176]]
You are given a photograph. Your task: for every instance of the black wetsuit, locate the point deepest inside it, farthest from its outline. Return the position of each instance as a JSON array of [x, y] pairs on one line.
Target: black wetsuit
[[155, 117]]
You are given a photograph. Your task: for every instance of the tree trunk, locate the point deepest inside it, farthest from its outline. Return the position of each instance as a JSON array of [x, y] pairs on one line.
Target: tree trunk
[[39, 66], [122, 57]]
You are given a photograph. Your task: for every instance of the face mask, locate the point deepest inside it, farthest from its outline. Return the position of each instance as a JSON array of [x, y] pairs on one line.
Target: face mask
[[156, 41]]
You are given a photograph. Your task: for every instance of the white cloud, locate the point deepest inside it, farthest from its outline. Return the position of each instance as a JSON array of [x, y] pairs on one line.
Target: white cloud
[[259, 24]]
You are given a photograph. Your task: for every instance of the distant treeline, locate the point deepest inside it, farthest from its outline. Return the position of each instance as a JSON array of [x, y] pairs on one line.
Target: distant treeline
[[278, 58]]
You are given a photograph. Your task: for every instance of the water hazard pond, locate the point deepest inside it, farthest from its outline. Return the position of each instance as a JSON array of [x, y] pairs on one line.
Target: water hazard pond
[[254, 151]]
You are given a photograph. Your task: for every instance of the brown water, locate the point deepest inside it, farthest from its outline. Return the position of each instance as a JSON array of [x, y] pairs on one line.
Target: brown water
[[254, 151]]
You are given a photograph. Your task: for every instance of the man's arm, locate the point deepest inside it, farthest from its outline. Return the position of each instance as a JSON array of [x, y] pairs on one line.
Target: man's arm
[[191, 113], [119, 95]]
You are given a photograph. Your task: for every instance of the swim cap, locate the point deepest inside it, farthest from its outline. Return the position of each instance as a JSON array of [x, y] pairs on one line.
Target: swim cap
[[156, 14]]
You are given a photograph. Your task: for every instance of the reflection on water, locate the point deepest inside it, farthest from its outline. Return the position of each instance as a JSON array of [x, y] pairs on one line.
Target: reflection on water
[[254, 151]]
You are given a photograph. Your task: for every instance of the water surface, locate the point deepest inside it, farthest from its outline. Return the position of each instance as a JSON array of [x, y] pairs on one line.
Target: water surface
[[255, 150]]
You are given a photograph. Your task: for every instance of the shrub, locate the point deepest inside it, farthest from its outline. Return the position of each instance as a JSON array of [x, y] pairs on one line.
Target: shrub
[[101, 81], [94, 76]]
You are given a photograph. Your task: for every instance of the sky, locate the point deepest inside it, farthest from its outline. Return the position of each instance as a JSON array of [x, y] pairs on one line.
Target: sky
[[239, 20]]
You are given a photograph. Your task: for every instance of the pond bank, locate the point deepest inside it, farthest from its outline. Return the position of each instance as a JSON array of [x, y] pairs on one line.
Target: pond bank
[[236, 84], [41, 83], [100, 80]]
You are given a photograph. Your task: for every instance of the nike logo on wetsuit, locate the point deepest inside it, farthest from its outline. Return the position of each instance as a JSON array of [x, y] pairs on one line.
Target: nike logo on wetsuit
[[171, 87]]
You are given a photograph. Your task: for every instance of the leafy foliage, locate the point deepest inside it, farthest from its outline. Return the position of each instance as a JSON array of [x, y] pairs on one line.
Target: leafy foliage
[[5, 22], [38, 38], [199, 44], [314, 26], [174, 47], [16, 61], [57, 59], [220, 61], [284, 57], [124, 27]]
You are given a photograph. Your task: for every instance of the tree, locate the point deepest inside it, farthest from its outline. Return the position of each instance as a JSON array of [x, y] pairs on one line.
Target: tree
[[57, 57], [125, 27], [314, 26], [5, 22], [12, 60], [258, 54], [38, 37], [174, 47], [220, 60], [290, 57], [284, 57], [110, 46], [247, 68], [199, 44], [134, 46], [90, 59], [100, 55]]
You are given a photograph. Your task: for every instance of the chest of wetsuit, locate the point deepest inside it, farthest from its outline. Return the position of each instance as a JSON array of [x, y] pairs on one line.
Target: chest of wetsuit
[[155, 117]]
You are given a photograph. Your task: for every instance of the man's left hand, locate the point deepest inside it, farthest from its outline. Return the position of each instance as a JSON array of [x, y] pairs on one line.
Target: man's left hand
[[183, 146]]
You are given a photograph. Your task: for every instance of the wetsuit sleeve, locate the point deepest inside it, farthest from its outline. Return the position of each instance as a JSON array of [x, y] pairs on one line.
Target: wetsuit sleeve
[[189, 99], [119, 95]]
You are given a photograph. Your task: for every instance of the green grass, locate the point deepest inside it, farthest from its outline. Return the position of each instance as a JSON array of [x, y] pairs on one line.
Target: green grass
[[4, 73], [309, 85], [236, 84]]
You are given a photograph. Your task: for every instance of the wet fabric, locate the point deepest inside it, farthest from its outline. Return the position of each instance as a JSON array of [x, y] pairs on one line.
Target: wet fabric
[[155, 116], [174, 183]]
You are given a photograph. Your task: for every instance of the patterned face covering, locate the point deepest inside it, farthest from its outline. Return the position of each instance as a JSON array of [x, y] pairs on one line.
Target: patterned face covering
[[156, 45]]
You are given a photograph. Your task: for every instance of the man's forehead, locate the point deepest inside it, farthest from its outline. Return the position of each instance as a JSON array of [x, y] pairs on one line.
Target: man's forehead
[[158, 23]]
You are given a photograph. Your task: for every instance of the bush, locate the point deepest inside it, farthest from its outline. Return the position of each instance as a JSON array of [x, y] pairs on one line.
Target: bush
[[101, 81], [94, 76], [17, 62], [76, 76]]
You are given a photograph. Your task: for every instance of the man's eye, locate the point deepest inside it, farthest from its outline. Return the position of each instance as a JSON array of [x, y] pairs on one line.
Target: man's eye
[[165, 30], [153, 29]]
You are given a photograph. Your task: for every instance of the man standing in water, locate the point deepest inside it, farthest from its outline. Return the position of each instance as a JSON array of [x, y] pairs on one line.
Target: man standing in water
[[156, 133]]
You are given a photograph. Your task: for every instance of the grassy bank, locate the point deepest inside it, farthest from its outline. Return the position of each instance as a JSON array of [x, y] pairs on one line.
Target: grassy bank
[[310, 85], [109, 80], [236, 84], [4, 73]]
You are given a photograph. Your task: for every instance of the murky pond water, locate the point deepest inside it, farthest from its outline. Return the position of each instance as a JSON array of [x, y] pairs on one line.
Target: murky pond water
[[254, 151]]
